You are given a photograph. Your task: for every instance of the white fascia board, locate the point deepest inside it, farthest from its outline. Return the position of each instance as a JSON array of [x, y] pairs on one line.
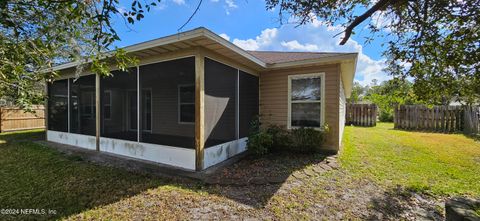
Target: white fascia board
[[348, 70], [316, 61]]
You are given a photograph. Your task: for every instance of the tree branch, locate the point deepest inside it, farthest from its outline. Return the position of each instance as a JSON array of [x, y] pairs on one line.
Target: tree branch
[[193, 14], [348, 31]]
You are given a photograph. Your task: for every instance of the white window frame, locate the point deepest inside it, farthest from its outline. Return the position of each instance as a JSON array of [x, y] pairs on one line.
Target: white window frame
[[140, 115], [180, 103], [321, 101], [109, 92]]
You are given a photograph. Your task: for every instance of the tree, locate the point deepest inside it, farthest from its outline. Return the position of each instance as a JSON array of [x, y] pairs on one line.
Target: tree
[[389, 94], [435, 42], [36, 35], [358, 92]]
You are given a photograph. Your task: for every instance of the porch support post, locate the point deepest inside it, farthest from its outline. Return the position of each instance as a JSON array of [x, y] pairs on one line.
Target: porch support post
[[97, 111], [45, 109], [199, 109], [139, 106]]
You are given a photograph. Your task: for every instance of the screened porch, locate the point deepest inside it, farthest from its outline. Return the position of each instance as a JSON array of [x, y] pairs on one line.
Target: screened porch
[[152, 111]]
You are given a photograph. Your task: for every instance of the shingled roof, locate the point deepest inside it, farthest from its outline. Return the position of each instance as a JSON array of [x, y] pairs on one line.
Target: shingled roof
[[272, 57]]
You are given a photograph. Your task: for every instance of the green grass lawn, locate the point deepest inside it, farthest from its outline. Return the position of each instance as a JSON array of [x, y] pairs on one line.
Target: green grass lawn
[[374, 161], [443, 164], [33, 176]]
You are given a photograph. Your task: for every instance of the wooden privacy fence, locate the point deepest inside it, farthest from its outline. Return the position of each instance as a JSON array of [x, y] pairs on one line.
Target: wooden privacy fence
[[445, 119], [13, 118], [472, 120], [361, 115]]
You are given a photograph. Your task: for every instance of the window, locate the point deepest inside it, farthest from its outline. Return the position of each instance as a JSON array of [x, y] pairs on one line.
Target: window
[[186, 103], [107, 105], [305, 100], [88, 99]]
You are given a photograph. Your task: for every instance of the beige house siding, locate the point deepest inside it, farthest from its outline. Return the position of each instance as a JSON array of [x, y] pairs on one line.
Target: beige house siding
[[274, 98]]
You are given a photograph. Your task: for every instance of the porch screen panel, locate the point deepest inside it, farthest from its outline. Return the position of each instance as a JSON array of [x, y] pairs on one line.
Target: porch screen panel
[[58, 106], [119, 105], [82, 105], [248, 102], [168, 103], [220, 98]]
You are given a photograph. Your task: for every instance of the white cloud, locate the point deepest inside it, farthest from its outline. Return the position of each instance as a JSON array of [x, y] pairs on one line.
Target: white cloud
[[223, 35], [316, 37], [160, 6], [179, 2], [248, 44], [294, 46], [264, 40], [229, 5], [381, 21]]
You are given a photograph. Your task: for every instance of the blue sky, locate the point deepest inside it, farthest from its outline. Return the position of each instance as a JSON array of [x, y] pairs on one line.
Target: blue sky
[[248, 24]]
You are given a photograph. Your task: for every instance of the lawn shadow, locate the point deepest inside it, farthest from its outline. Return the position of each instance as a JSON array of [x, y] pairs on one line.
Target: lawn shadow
[[40, 183], [398, 203], [37, 176], [475, 137], [254, 180], [21, 136]]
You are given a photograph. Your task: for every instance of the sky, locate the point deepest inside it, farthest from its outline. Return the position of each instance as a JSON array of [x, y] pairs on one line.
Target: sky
[[249, 25]]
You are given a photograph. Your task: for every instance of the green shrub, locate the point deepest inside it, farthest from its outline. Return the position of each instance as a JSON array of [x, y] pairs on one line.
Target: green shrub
[[385, 116], [259, 143], [306, 140], [281, 137]]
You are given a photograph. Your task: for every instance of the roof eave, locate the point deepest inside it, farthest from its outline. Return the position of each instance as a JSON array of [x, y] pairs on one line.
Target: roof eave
[[195, 33], [316, 61]]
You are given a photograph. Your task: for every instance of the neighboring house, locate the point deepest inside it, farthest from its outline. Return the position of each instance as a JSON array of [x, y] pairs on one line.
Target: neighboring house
[[198, 94]]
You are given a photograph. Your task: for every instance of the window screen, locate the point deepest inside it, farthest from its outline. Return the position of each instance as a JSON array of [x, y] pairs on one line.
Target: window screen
[[248, 102], [58, 106], [82, 105], [147, 110], [186, 102], [107, 105], [119, 105], [305, 101], [220, 93], [162, 107]]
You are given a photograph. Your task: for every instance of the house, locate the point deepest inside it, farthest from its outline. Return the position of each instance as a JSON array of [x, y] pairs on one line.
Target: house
[[190, 101]]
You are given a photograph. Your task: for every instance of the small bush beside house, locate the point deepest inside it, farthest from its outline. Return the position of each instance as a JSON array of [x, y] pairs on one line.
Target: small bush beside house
[[276, 138]]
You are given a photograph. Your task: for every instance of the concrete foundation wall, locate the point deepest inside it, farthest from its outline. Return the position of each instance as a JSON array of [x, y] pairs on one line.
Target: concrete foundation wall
[[173, 156], [216, 154], [78, 140]]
